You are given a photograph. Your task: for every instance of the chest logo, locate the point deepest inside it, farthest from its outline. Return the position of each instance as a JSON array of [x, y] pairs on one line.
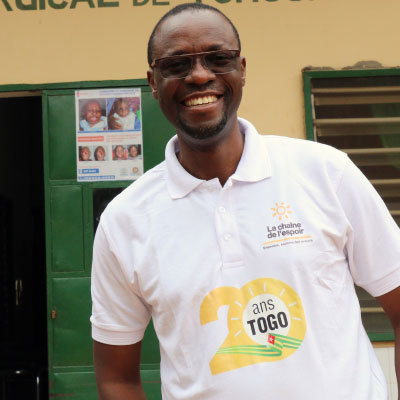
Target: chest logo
[[266, 323], [281, 211], [281, 233]]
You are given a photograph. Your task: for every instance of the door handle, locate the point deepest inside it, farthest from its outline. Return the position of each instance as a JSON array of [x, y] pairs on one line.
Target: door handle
[[18, 292]]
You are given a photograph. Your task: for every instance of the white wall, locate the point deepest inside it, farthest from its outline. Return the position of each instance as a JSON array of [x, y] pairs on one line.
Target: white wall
[[386, 358]]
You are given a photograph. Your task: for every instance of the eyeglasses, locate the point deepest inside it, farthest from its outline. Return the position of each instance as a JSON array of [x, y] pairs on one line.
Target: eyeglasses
[[178, 67]]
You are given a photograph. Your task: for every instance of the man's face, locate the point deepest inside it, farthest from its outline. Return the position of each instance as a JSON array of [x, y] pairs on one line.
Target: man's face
[[93, 113], [195, 32]]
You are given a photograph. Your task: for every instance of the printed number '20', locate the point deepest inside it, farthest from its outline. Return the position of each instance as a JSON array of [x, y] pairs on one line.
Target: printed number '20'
[[266, 323]]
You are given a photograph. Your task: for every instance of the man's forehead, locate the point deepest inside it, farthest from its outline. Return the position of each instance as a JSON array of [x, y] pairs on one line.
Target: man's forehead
[[193, 26]]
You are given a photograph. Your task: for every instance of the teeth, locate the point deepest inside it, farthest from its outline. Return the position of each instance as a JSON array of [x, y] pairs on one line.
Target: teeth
[[201, 100]]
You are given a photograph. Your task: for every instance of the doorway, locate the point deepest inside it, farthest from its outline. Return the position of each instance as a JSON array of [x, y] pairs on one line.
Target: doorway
[[47, 226], [23, 315]]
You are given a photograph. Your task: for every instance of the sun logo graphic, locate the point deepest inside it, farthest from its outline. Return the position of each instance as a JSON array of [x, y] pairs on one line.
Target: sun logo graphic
[[266, 323], [281, 210]]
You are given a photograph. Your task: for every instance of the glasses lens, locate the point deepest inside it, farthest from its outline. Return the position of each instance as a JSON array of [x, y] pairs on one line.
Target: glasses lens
[[221, 62], [218, 62], [175, 67]]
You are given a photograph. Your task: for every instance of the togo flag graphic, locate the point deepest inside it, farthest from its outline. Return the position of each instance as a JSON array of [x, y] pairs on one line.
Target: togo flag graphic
[[271, 339], [266, 323]]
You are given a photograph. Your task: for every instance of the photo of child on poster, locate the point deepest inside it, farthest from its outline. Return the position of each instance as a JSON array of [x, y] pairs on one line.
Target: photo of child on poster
[[134, 152], [92, 115], [119, 153], [122, 114], [109, 136], [100, 154], [84, 153]]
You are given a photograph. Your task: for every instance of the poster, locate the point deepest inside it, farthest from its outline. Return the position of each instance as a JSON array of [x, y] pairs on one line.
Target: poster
[[109, 139]]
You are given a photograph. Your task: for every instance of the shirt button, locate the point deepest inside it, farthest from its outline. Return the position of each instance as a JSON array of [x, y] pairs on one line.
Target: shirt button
[[227, 236], [210, 188], [221, 209]]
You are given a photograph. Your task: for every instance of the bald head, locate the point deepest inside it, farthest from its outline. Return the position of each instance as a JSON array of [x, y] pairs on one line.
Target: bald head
[[188, 7]]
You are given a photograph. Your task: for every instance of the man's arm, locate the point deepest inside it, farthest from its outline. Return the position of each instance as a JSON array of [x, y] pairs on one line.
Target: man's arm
[[391, 304], [118, 371]]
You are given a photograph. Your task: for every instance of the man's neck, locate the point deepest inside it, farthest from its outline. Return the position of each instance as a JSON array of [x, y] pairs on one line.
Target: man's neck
[[217, 161]]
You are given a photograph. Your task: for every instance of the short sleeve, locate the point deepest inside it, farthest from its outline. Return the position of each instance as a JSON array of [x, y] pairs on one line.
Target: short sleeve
[[119, 314], [373, 245]]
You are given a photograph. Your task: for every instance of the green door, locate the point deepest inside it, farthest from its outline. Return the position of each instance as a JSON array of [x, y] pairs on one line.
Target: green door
[[72, 210]]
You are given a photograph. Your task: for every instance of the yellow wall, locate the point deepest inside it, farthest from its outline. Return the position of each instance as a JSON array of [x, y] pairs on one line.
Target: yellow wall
[[279, 39]]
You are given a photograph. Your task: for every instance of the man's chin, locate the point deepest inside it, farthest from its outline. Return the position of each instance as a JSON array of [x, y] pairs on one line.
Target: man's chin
[[203, 131]]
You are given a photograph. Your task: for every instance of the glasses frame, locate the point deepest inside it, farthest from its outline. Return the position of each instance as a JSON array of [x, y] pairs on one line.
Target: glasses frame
[[192, 56]]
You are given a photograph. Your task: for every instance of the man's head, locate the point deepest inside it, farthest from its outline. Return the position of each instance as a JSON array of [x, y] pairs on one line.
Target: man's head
[[202, 102], [189, 7]]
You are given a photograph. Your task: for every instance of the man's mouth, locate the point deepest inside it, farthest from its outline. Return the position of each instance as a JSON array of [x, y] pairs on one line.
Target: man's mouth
[[198, 101]]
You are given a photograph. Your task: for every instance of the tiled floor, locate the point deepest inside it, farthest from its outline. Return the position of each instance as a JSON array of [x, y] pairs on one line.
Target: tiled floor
[[386, 358]]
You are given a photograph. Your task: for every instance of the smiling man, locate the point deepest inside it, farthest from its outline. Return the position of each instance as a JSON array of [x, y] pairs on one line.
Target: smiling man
[[200, 102], [243, 249]]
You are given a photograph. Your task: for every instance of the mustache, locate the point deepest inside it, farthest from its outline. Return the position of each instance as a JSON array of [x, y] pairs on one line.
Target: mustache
[[192, 88]]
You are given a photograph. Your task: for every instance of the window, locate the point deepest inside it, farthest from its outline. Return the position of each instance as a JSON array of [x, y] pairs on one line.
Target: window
[[358, 112]]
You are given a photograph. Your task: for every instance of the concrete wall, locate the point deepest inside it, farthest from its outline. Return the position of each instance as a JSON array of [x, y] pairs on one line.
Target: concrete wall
[[279, 38]]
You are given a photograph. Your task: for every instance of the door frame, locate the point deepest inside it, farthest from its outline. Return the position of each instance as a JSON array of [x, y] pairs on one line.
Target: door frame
[[43, 90]]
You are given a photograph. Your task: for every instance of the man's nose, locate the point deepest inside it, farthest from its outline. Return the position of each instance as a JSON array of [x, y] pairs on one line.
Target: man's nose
[[199, 74]]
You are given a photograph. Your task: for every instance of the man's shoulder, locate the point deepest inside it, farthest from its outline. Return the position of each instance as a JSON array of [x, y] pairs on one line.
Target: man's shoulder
[[302, 149], [279, 146], [296, 143], [304, 159]]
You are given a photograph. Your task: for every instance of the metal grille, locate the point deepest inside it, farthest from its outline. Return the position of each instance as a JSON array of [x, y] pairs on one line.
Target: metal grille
[[361, 116]]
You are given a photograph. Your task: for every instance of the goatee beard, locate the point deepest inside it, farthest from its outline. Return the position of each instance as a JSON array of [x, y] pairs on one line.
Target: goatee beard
[[203, 132]]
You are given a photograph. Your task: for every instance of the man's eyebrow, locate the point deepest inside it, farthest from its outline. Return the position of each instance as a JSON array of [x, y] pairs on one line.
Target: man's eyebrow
[[212, 47]]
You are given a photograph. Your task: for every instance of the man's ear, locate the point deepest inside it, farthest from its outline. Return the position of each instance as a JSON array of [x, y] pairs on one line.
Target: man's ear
[[243, 69], [152, 83]]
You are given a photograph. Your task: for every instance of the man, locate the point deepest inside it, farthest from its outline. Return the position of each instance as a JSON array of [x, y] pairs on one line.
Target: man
[[243, 249]]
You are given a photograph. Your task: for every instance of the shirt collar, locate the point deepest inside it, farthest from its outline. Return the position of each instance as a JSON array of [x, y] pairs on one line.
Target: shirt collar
[[254, 164]]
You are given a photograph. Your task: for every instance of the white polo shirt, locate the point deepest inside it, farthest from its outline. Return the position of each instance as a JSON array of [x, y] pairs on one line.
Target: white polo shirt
[[250, 285]]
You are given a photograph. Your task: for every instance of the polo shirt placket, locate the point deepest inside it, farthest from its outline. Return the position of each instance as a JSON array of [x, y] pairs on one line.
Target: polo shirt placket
[[227, 230]]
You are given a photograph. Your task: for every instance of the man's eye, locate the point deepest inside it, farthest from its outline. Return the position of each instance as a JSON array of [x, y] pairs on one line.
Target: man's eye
[[176, 65], [219, 59]]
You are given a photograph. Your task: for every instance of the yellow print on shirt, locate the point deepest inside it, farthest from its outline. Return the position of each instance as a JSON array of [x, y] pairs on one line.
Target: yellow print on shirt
[[266, 323], [281, 211]]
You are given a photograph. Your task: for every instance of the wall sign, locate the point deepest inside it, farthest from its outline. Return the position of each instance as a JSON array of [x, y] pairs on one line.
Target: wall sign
[[109, 139], [32, 5]]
